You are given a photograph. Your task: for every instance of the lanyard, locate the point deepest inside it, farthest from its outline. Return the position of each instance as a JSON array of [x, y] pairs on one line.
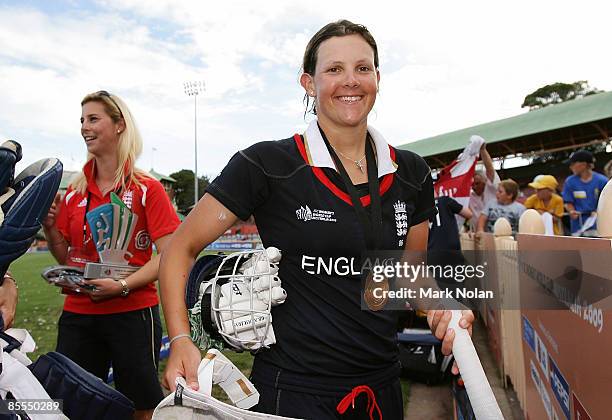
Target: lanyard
[[372, 225], [85, 218]]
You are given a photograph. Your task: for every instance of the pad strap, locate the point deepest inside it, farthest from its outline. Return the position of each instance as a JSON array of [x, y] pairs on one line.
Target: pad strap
[[4, 198], [16, 378], [215, 368]]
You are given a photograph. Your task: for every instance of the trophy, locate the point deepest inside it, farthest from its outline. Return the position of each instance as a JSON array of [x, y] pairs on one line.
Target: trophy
[[112, 226]]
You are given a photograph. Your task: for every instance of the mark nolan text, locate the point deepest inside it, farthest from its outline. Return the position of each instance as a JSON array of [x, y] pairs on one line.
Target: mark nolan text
[[430, 293]]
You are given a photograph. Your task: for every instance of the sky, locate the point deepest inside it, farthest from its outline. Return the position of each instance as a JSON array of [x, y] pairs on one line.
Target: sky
[[445, 65]]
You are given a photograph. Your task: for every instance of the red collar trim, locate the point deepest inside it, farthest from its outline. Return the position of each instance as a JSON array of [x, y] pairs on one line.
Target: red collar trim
[[385, 184], [90, 175]]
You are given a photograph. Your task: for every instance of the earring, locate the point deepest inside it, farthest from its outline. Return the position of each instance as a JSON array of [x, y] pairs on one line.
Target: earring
[[118, 131]]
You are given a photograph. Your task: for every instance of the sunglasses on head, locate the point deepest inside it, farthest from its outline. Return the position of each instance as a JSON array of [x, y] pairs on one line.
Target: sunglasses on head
[[108, 95]]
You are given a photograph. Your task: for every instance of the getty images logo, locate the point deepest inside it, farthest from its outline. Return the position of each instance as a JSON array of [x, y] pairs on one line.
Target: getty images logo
[[304, 213]]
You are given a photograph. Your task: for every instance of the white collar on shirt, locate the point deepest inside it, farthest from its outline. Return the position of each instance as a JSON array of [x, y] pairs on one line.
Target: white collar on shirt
[[320, 157]]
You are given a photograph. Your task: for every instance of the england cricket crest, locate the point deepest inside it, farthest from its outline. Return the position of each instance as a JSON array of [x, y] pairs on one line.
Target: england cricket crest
[[112, 226], [401, 221]]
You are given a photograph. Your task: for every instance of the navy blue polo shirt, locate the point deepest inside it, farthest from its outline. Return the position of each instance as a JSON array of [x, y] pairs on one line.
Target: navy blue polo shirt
[[301, 206], [444, 233], [443, 247]]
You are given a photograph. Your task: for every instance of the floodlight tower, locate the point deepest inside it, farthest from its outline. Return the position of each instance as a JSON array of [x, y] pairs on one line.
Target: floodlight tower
[[194, 89]]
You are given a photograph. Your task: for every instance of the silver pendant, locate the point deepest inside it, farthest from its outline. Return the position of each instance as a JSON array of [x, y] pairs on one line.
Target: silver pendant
[[359, 165]]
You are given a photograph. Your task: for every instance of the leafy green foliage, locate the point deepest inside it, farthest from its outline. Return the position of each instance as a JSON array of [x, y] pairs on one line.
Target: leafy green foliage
[[184, 189], [558, 93]]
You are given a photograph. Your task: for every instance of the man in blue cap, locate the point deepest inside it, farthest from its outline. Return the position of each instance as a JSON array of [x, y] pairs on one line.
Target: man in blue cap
[[581, 193]]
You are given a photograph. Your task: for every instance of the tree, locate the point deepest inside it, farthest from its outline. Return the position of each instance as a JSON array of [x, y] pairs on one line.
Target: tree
[[184, 188], [557, 93]]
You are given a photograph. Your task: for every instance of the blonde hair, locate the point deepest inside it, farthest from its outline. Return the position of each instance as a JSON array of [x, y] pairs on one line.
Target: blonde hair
[[130, 143]]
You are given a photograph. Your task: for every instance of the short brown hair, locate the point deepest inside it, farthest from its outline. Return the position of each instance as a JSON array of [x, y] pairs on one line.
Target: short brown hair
[[511, 187], [339, 28]]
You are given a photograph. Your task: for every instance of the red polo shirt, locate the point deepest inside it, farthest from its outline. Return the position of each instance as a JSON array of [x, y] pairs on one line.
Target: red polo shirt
[[156, 218]]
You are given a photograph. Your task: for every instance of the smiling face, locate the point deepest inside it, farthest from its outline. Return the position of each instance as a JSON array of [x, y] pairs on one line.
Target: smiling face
[[345, 82], [98, 129]]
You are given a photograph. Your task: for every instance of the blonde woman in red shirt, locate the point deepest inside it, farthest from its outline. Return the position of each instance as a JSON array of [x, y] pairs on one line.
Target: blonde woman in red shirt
[[118, 322]]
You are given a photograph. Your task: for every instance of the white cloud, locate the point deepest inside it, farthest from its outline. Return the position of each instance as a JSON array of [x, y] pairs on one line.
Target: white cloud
[[445, 65]]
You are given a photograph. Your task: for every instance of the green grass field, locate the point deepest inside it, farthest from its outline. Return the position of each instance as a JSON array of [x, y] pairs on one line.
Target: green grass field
[[40, 306]]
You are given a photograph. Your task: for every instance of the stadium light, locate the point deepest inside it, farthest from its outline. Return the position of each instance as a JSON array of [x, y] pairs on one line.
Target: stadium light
[[194, 89]]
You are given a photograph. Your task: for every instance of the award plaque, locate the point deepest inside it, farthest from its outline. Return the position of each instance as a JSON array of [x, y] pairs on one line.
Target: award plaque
[[112, 226]]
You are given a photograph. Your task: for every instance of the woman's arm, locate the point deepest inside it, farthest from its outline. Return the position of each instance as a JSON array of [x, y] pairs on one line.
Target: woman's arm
[[8, 299], [55, 240], [487, 162], [466, 213], [482, 221], [206, 222], [57, 244], [417, 237], [416, 243]]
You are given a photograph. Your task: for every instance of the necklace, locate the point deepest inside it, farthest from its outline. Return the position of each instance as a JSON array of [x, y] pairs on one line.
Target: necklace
[[356, 162], [106, 189]]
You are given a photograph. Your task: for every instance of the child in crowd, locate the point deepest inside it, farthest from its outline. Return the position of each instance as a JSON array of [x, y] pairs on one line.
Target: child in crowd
[[505, 206], [546, 200]]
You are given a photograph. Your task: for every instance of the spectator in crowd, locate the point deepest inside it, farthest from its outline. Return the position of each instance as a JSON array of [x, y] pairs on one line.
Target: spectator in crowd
[[546, 200], [8, 300], [484, 187], [443, 247], [505, 206], [115, 322], [444, 232], [581, 193]]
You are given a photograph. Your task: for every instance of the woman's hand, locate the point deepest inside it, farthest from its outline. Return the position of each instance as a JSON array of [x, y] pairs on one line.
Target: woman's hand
[[184, 360], [8, 300], [106, 288], [49, 221], [438, 321]]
